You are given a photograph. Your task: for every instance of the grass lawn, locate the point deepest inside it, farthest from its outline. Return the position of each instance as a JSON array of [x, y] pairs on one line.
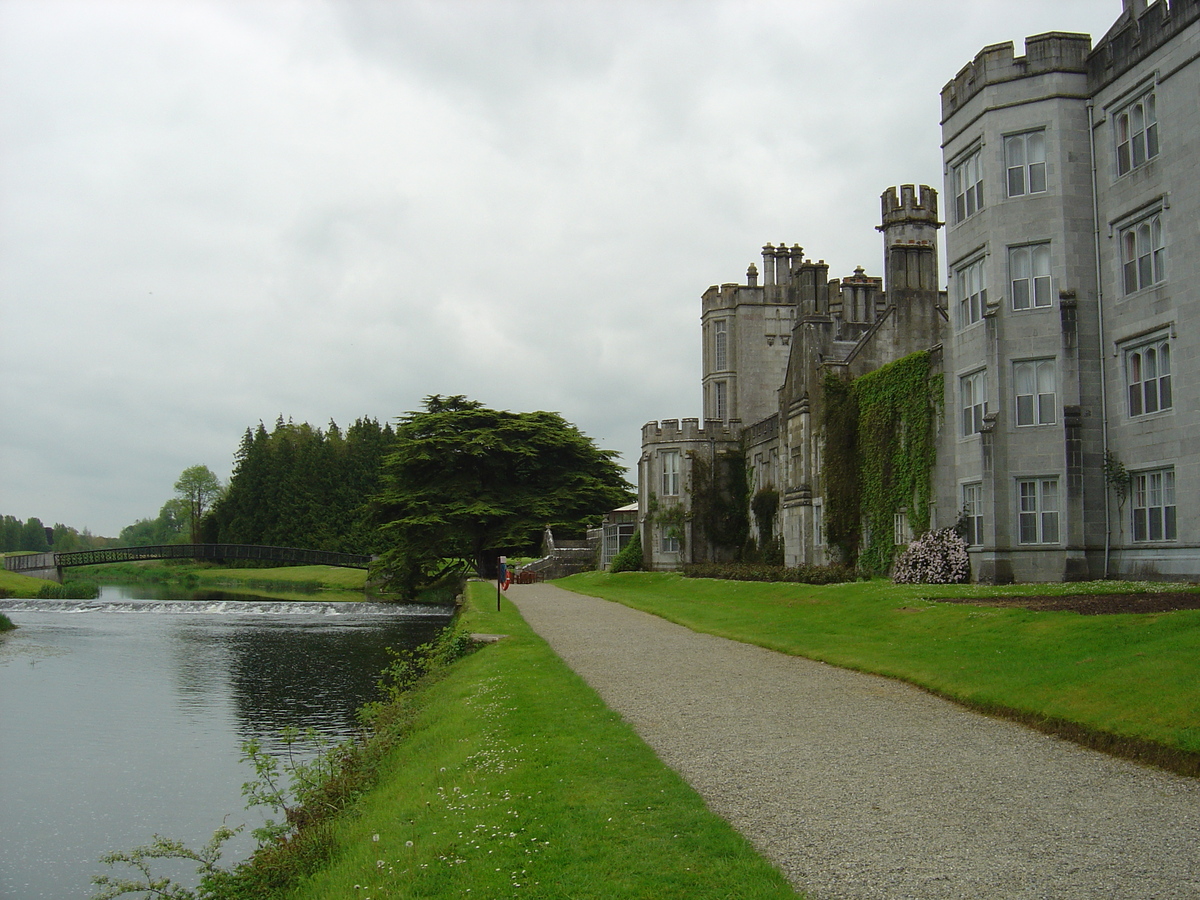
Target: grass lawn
[[14, 585], [1126, 683], [516, 780], [326, 577]]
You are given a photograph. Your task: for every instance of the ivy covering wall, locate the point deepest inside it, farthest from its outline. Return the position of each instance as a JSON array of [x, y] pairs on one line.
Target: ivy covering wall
[[879, 433]]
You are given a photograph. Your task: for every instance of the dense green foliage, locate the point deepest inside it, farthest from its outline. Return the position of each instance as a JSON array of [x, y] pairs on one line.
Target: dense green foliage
[[466, 483], [299, 486], [721, 503], [30, 535], [170, 527], [1128, 683], [6, 624], [765, 571], [631, 557], [879, 456], [197, 488]]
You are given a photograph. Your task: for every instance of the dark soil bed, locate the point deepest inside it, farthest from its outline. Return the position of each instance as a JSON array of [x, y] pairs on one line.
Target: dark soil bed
[[1093, 604]]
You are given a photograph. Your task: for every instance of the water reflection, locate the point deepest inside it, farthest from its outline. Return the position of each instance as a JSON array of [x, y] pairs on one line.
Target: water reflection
[[120, 724]]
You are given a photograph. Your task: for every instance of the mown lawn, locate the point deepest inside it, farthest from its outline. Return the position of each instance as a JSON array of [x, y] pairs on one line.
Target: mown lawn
[[1119, 682], [515, 780]]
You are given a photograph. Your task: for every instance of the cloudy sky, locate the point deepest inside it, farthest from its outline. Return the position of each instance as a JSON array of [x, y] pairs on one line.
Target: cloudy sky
[[215, 212]]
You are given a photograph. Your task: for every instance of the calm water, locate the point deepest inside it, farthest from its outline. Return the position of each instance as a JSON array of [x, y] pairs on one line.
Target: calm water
[[123, 718]]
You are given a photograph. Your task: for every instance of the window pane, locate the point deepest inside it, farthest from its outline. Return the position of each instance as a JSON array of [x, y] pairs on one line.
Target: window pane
[[1025, 410], [1016, 182], [1037, 178], [1024, 378], [1036, 147], [1050, 527], [1041, 259], [1046, 409]]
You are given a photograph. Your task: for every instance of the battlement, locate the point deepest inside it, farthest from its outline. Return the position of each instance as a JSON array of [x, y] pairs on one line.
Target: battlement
[[909, 207], [1054, 51], [675, 430], [1139, 31]]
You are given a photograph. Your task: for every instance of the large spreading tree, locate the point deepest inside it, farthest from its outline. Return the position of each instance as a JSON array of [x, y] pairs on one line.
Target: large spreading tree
[[466, 483]]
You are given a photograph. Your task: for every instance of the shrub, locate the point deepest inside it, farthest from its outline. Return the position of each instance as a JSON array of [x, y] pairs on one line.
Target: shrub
[[766, 572], [937, 557], [630, 557]]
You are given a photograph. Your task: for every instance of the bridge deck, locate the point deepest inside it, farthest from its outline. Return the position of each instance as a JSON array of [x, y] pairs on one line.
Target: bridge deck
[[295, 556]]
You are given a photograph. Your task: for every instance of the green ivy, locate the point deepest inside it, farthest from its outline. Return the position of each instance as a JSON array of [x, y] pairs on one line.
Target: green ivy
[[879, 455], [721, 501]]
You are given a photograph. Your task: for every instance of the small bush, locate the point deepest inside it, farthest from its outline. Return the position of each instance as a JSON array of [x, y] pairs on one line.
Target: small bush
[[6, 624], [630, 558], [71, 590], [765, 572], [936, 557]]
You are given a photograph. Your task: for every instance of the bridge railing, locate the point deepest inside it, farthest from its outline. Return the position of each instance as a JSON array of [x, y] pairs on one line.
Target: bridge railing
[[188, 551]]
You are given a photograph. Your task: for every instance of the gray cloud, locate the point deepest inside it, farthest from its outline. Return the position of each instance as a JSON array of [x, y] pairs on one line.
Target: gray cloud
[[213, 213]]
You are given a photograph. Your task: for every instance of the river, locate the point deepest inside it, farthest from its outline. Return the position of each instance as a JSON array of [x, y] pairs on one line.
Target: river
[[123, 718]]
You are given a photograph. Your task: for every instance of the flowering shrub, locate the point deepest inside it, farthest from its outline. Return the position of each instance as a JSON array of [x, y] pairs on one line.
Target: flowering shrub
[[936, 557]]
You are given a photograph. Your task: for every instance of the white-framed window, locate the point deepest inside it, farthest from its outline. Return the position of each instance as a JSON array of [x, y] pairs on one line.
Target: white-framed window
[[1143, 253], [1033, 385], [1148, 377], [972, 293], [1154, 505], [973, 391], [818, 527], [670, 472], [972, 512], [901, 532], [1025, 163], [720, 345], [1037, 511], [669, 541], [1029, 272], [721, 399], [1137, 133], [967, 178]]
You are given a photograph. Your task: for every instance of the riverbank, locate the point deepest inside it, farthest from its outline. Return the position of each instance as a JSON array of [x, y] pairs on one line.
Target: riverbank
[[1127, 684], [514, 779]]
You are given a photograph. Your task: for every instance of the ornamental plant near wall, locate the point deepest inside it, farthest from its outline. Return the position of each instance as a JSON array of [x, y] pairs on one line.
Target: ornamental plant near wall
[[936, 557], [880, 450]]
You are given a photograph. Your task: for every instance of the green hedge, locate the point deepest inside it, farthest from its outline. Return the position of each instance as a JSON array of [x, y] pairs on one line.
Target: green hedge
[[763, 572]]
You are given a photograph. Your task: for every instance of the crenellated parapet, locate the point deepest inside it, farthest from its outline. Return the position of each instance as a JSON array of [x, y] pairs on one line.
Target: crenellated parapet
[[1054, 51], [909, 207], [671, 431], [1139, 31]]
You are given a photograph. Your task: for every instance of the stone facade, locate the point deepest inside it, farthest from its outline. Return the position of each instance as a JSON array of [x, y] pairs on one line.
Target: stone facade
[[1071, 253], [766, 349], [1070, 323]]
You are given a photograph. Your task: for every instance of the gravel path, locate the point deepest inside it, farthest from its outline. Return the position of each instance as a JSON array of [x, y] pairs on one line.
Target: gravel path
[[861, 787]]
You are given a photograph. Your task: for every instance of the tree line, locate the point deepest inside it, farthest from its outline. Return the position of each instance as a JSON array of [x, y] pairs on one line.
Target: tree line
[[300, 486], [452, 486], [32, 536]]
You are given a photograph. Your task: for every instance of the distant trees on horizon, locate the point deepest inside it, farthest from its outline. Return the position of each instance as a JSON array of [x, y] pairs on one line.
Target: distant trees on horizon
[[32, 536]]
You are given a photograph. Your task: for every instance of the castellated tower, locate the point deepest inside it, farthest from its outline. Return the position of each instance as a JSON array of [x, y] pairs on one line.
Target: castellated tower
[[747, 331], [910, 225]]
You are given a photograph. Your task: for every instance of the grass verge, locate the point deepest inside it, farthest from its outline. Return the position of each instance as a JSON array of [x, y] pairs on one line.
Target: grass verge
[[1125, 684], [514, 779], [14, 585]]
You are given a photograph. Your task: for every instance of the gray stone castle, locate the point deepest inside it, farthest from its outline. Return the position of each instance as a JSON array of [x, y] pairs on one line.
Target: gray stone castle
[[1067, 340]]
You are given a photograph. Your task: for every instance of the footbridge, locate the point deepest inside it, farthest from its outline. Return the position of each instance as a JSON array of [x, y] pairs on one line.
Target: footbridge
[[50, 565]]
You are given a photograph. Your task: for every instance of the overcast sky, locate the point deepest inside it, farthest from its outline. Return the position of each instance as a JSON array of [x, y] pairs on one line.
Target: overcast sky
[[215, 213]]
